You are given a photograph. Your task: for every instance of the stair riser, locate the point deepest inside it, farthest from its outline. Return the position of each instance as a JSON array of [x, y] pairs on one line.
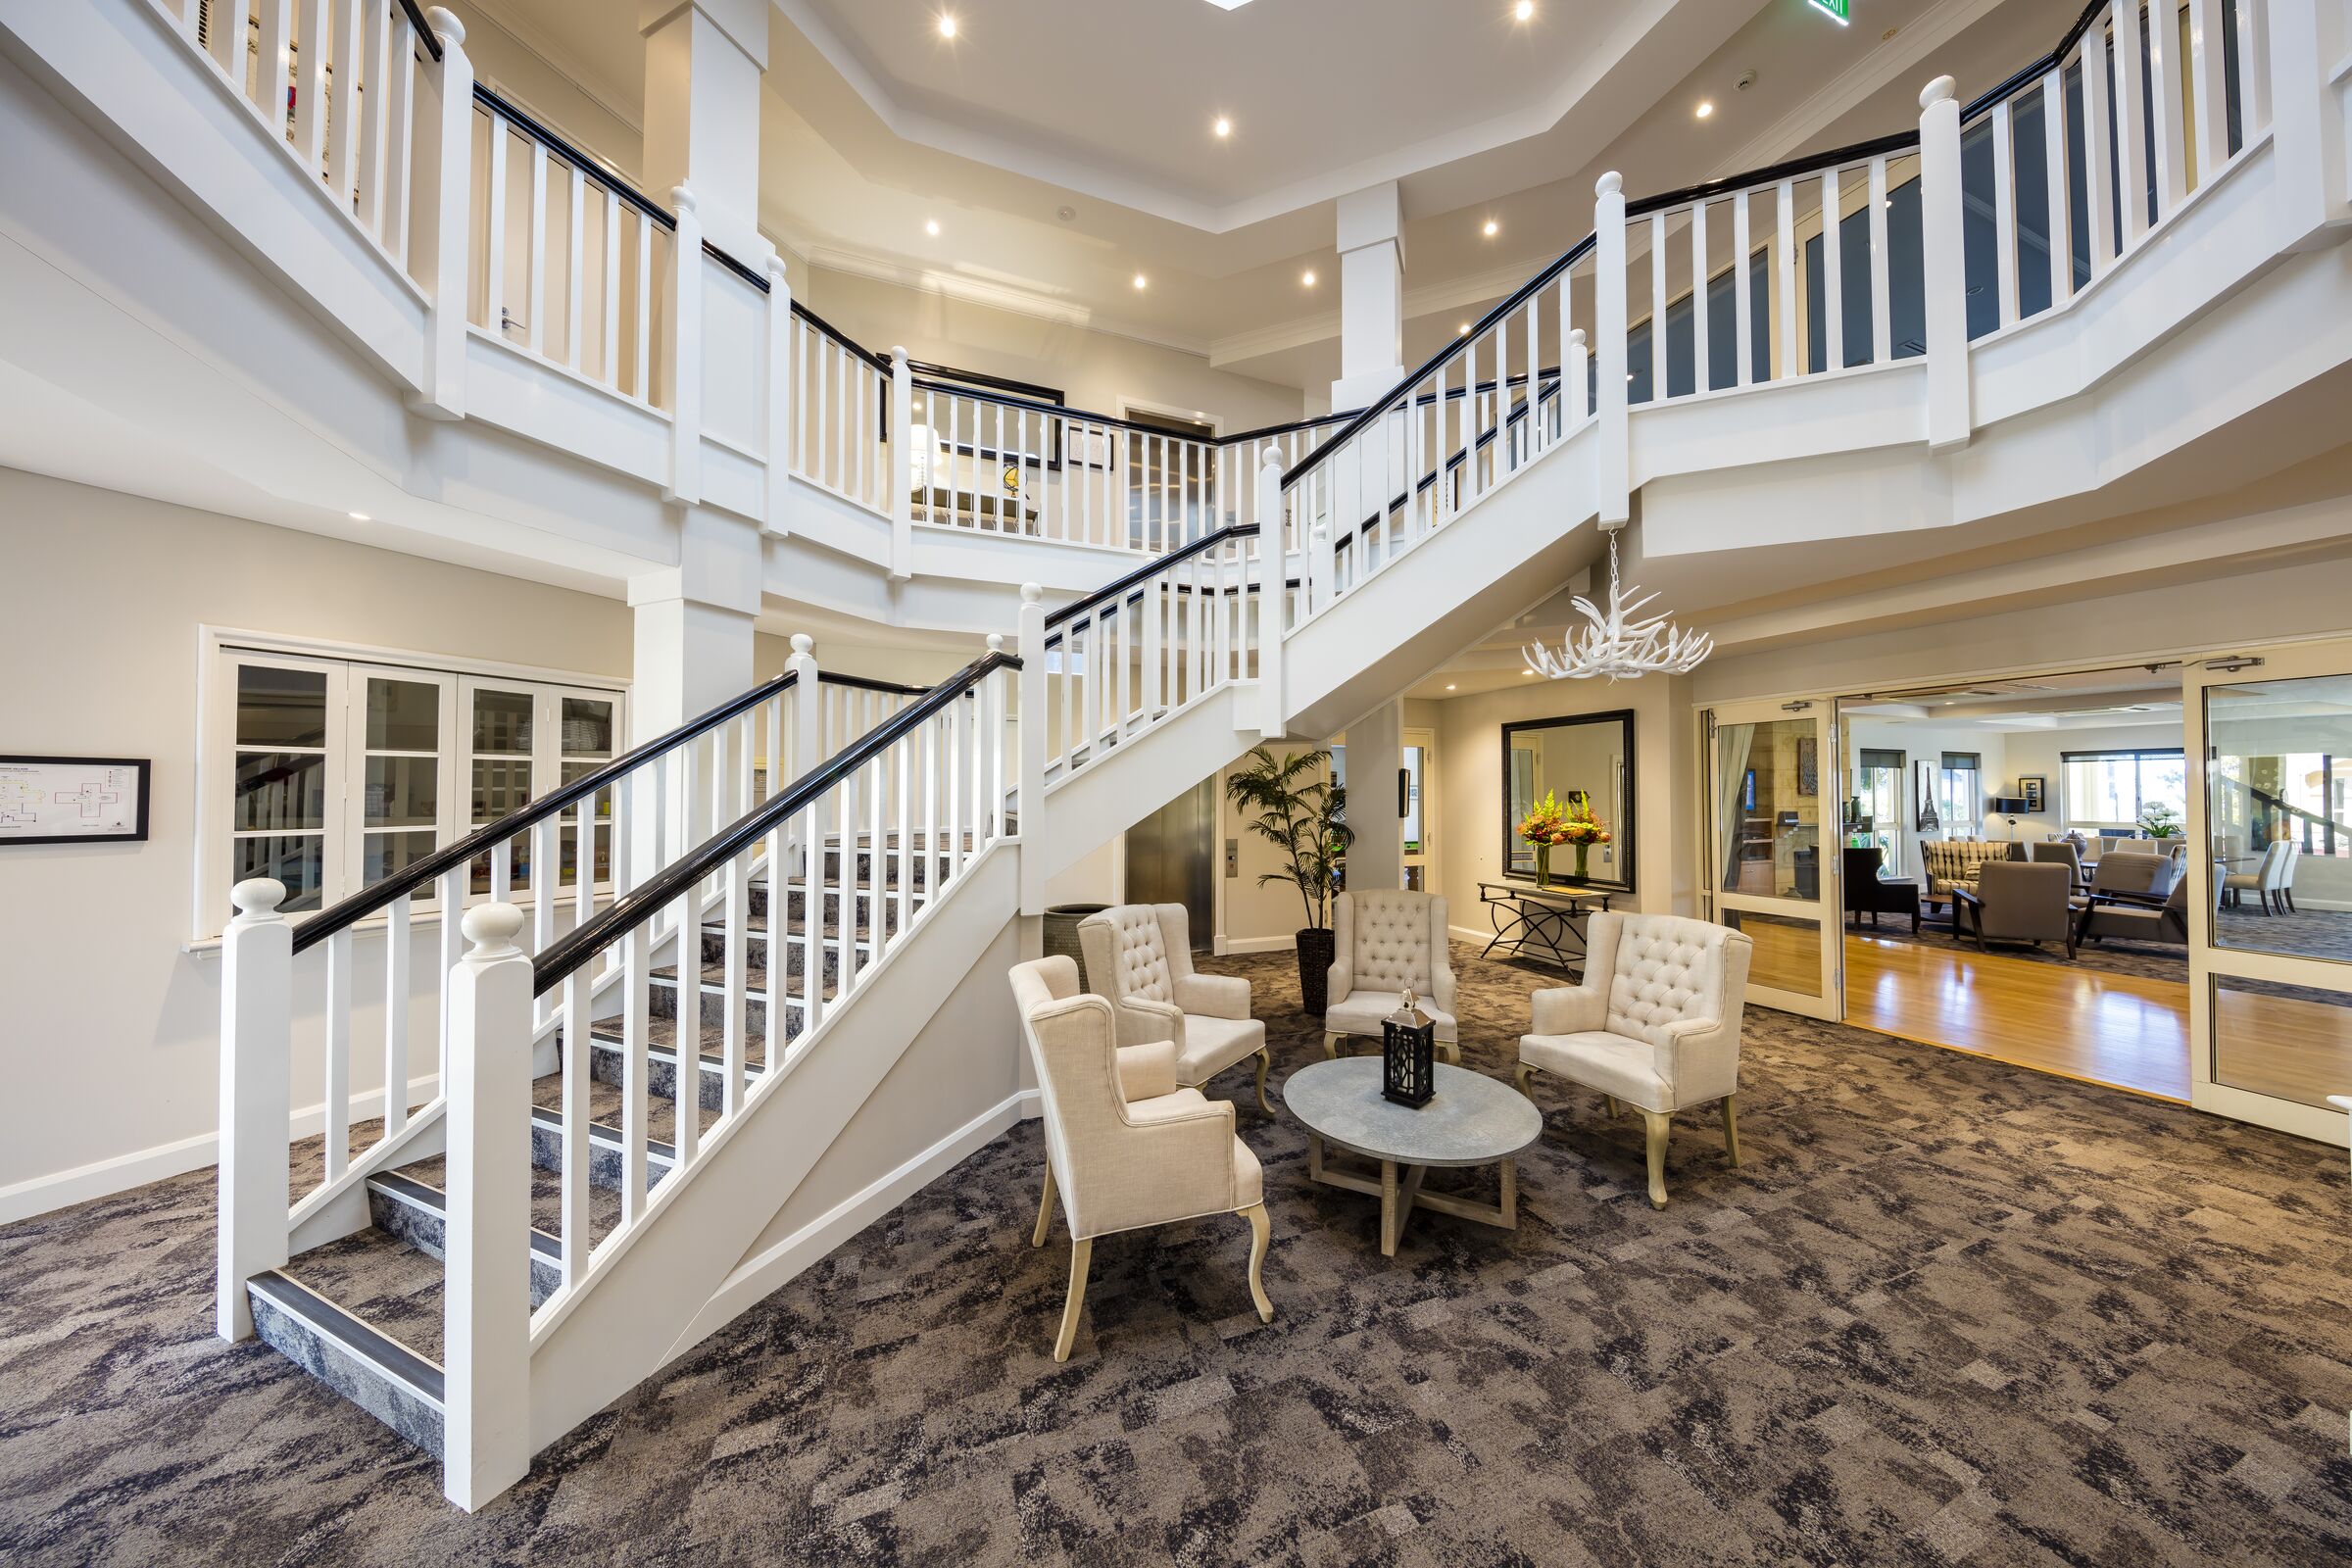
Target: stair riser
[[796, 910], [754, 957], [605, 1159], [919, 868], [605, 1062], [302, 1337], [661, 999], [427, 1231]]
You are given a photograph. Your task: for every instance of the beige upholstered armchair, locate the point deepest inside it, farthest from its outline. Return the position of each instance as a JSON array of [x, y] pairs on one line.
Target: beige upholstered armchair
[[2024, 904], [1656, 1023], [1140, 956], [1384, 943], [1126, 1145]]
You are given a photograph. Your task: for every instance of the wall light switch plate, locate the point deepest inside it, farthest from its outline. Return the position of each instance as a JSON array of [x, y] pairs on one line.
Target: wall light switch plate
[[1233, 857]]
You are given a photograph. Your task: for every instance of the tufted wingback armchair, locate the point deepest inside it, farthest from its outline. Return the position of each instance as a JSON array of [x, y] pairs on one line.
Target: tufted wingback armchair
[[1126, 1145], [1140, 956], [1656, 1023], [1384, 941]]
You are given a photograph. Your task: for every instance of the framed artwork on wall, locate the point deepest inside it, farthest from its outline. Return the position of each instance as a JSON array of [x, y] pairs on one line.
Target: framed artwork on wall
[[1808, 766], [1923, 795], [2029, 787], [73, 800]]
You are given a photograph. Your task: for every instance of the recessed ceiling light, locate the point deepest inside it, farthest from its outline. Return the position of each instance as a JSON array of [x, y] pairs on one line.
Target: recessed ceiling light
[[359, 516], [1492, 228], [931, 227], [1525, 11], [1527, 672], [1066, 214], [946, 24], [1462, 331], [1141, 280], [1307, 277], [1450, 688], [1223, 127], [1706, 107]]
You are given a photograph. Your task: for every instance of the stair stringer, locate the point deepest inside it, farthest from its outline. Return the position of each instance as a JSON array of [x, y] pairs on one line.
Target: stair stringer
[[1112, 793], [1514, 548], [622, 1327]]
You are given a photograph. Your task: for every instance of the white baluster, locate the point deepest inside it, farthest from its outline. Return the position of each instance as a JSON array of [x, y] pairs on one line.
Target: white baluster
[[1609, 322], [1699, 344], [396, 1016], [1743, 309], [486, 1331], [573, 1097], [575, 272], [343, 115], [2165, 76], [2253, 67], [256, 1046], [609, 366], [1794, 358], [534, 282], [1573, 375], [1946, 277], [2098, 184], [2059, 226], [644, 311], [1882, 313], [2131, 116], [311, 56], [373, 55], [1272, 568], [735, 967], [448, 945], [2005, 235], [1030, 775], [902, 436], [335, 1109], [275, 66], [1832, 271], [493, 232], [636, 966]]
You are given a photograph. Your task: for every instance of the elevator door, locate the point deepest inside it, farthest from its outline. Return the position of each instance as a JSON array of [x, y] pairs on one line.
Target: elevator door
[[1171, 859]]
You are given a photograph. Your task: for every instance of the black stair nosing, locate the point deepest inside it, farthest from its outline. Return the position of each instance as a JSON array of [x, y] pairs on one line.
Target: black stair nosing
[[367, 1342], [759, 933], [408, 1189], [597, 1132]]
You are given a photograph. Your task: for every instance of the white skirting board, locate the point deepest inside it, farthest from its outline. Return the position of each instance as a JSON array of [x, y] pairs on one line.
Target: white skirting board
[[106, 1177], [1233, 945], [781, 1263]]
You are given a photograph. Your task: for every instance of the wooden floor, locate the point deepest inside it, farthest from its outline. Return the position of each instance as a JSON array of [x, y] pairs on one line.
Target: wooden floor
[[2079, 1023]]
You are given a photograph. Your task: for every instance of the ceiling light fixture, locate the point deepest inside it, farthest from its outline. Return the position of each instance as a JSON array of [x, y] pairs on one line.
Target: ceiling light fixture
[[1618, 645], [1492, 228], [1706, 107], [1463, 330], [1525, 11], [1450, 688], [1141, 280], [358, 516], [931, 227], [1223, 127], [1307, 277], [946, 24]]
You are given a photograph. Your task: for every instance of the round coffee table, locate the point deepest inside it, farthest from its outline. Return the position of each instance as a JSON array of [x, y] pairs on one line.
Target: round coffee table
[[1471, 1120]]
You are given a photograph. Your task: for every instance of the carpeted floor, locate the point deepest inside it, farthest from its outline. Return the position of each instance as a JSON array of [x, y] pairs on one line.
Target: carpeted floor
[[1950, 1312]]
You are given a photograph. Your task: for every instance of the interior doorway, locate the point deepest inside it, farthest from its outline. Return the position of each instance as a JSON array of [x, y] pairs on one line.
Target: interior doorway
[[2013, 870]]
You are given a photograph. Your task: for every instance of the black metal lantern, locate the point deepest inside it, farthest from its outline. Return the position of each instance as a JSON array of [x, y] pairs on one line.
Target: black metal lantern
[[1409, 1055]]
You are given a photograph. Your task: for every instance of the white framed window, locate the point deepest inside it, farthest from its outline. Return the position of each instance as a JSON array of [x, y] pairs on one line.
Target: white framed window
[[1960, 795], [331, 773]]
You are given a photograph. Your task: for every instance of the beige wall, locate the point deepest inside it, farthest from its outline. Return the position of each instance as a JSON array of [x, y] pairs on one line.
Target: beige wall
[[511, 67], [1093, 370], [111, 1028], [1468, 845]]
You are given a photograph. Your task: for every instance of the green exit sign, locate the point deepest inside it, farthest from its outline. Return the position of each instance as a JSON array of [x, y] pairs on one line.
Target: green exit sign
[[1840, 10]]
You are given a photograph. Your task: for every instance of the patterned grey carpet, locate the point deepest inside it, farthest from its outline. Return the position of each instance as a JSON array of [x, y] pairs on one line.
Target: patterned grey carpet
[[1950, 1312]]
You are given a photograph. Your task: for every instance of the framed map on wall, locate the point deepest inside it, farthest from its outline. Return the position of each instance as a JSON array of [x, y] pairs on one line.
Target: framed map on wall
[[73, 800]]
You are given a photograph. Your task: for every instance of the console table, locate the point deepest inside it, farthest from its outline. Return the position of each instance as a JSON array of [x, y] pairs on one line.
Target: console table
[[1540, 922]]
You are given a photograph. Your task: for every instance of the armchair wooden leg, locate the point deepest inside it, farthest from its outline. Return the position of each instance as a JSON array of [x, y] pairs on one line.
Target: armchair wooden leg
[[1526, 1077], [1044, 1210], [1082, 1252], [1731, 1127], [1265, 1059], [1259, 1231], [1330, 1044], [1450, 1051], [1610, 1100], [1657, 1122]]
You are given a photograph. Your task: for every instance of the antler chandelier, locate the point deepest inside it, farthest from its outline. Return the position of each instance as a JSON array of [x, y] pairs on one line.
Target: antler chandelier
[[1617, 644]]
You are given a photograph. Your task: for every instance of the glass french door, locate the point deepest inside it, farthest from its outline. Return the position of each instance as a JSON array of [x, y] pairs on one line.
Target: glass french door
[[2269, 742], [1769, 792], [1420, 809]]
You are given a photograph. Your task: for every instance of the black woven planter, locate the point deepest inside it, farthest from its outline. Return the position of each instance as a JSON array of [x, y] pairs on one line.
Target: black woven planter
[[1315, 949]]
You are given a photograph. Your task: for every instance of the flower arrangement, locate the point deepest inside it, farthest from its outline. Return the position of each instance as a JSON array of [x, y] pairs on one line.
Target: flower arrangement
[[2160, 822], [1550, 822]]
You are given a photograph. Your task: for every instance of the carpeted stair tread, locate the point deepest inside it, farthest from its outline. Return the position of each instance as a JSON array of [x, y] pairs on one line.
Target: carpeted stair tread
[[547, 1195], [603, 1106], [382, 1280]]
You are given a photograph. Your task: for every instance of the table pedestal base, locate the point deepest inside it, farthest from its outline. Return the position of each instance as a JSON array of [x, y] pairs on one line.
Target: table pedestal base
[[1399, 1198]]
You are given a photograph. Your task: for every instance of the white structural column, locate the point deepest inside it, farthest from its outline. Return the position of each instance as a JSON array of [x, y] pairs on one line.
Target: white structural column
[[1375, 762], [1940, 199], [693, 651], [1371, 242], [2308, 41], [443, 204], [703, 64]]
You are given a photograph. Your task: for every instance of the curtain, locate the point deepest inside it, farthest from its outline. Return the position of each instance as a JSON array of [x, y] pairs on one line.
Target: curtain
[[1733, 743]]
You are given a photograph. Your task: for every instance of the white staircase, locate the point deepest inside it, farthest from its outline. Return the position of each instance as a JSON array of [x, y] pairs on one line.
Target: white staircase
[[628, 1104]]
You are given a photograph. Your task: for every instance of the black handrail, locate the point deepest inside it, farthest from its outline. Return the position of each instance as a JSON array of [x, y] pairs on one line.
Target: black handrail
[[1525, 292], [880, 362], [571, 155], [1150, 569], [432, 46], [419, 873], [638, 906], [733, 266], [1774, 173]]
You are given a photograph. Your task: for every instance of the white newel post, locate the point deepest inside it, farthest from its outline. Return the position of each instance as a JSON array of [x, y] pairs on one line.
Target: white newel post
[[2308, 42], [1273, 577], [1029, 778], [901, 463], [486, 1356], [779, 397], [685, 314], [1613, 474], [1946, 275], [256, 1050], [442, 209], [808, 707]]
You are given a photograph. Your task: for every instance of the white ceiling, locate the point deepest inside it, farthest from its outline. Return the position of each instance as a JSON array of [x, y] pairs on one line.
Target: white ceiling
[[874, 126]]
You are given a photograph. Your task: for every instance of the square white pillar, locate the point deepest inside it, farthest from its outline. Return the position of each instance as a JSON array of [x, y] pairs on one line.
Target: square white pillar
[[1375, 761], [1371, 244], [703, 64]]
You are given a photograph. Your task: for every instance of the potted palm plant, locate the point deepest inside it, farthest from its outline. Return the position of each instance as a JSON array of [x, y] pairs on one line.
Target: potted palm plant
[[1294, 805]]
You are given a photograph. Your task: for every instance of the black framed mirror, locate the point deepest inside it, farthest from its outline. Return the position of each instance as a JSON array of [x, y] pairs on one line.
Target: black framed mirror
[[1582, 757]]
